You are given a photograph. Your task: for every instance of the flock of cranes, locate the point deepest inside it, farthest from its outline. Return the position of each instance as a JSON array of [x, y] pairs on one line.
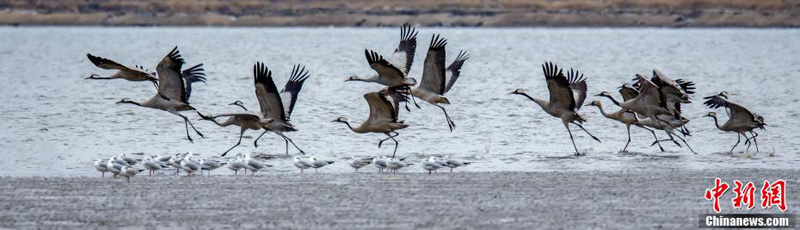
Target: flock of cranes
[[650, 103]]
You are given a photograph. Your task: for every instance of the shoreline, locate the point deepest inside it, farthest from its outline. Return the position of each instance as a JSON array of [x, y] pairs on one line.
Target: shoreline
[[541, 200]]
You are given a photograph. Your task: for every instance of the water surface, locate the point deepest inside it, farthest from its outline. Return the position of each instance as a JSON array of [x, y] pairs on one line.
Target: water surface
[[56, 123]]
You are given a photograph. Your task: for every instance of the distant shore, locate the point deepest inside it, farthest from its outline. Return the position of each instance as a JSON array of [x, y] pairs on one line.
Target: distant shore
[[461, 200], [465, 13]]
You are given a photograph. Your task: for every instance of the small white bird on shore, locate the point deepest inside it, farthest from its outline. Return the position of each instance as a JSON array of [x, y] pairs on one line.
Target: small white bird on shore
[[101, 166], [114, 166], [209, 165], [175, 162], [454, 163], [190, 165], [316, 163], [151, 165], [129, 171], [253, 164], [302, 163], [432, 164], [380, 163], [236, 164], [394, 164], [358, 163]]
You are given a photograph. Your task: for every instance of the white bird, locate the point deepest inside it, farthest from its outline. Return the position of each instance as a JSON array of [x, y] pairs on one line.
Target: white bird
[[455, 163], [253, 164], [276, 106], [209, 165], [432, 164], [151, 165], [383, 111], [358, 163], [394, 164], [380, 163], [129, 171], [317, 163], [175, 162], [567, 94], [394, 73], [101, 166], [236, 164], [302, 163], [115, 165], [438, 79], [176, 88], [741, 120], [189, 164]]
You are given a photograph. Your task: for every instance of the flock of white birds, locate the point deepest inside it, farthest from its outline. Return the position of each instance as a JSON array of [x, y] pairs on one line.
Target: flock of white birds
[[125, 166]]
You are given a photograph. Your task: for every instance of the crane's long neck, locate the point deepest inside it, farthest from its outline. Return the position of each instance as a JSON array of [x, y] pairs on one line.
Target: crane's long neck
[[540, 102], [612, 100], [350, 127], [603, 111], [716, 122], [373, 78], [132, 102]]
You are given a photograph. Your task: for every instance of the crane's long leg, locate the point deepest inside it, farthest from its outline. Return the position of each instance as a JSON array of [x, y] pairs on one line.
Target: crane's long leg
[[629, 138], [748, 142], [654, 136], [755, 134], [255, 143], [670, 139], [587, 132], [395, 146], [185, 123], [687, 144], [290, 141], [572, 139], [386, 139], [738, 139], [450, 123], [237, 143]]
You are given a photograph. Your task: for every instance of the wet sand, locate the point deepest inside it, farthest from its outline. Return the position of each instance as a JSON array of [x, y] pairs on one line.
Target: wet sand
[[462, 200]]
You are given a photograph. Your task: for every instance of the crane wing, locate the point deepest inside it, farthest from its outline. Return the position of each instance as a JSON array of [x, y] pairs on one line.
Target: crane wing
[[433, 72], [628, 92], [737, 113], [268, 97], [403, 56], [191, 75], [170, 79], [387, 71], [380, 108], [454, 70], [560, 93], [578, 85], [292, 89], [105, 63]]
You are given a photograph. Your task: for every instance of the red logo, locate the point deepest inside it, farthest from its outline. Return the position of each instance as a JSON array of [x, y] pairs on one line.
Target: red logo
[[774, 194], [719, 189], [744, 195], [771, 194]]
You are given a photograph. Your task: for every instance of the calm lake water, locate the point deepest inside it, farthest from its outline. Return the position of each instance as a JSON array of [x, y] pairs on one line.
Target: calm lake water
[[56, 123]]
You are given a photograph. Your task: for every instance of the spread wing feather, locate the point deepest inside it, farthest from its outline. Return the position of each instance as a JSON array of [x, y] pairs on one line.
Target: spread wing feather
[[170, 79], [433, 72], [268, 97], [292, 88], [454, 69], [403, 56]]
